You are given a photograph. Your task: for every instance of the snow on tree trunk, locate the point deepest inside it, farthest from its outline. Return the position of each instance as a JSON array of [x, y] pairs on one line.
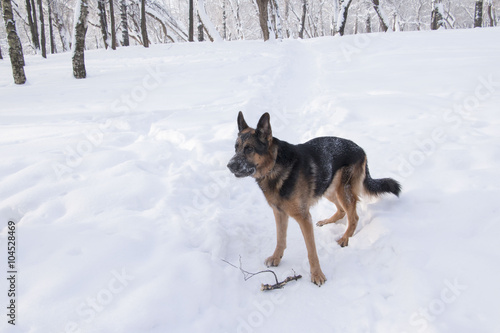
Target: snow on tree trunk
[[61, 28], [276, 18], [42, 30], [201, 28], [79, 32], [101, 6], [213, 34], [15, 48], [478, 14], [342, 15], [489, 9], [144, 26], [124, 23], [437, 15], [112, 22], [384, 21]]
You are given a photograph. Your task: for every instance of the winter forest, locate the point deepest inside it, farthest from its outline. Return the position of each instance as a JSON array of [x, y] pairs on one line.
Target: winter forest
[[48, 26]]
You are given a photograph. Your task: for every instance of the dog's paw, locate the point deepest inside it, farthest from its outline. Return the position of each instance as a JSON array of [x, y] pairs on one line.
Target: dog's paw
[[272, 261], [321, 223], [318, 278], [344, 241]]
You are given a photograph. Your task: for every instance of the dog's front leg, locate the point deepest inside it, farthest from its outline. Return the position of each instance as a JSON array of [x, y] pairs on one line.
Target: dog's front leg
[[281, 227], [306, 226]]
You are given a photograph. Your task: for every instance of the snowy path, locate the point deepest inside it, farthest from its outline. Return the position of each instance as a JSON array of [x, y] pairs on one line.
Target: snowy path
[[124, 206]]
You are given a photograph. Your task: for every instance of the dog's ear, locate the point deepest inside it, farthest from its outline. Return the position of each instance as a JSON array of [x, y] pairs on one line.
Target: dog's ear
[[263, 129], [242, 124]]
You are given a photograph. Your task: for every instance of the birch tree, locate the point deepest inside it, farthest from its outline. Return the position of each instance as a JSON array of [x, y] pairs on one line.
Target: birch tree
[[15, 48], [79, 32]]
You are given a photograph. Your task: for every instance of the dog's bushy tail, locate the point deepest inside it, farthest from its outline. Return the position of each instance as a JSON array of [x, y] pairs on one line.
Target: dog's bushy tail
[[377, 187]]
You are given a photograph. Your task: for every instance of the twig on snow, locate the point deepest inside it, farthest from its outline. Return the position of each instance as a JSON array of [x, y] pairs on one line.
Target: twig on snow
[[278, 285]]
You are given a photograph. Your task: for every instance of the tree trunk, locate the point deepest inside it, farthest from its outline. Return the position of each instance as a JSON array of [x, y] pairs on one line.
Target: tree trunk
[[101, 6], [144, 28], [437, 15], [342, 19], [264, 17], [51, 31], [224, 20], [478, 14], [34, 37], [42, 30], [1, 53], [35, 25], [124, 24], [489, 10], [191, 21], [201, 36], [368, 23], [15, 48], [61, 28], [112, 22], [384, 24], [303, 19], [79, 32]]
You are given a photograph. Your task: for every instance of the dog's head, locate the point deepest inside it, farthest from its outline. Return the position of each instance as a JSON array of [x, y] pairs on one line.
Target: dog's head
[[255, 153]]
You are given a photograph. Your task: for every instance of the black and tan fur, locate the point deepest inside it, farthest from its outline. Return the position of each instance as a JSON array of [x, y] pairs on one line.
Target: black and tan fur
[[295, 177]]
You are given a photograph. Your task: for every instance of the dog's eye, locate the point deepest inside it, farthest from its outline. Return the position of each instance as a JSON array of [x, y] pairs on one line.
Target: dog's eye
[[248, 149]]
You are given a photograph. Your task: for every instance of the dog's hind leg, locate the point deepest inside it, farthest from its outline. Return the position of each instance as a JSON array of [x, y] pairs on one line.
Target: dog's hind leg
[[281, 228], [339, 214], [331, 194], [347, 194]]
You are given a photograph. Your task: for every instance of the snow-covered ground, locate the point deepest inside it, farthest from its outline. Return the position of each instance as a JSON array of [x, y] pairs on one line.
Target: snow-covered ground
[[124, 206]]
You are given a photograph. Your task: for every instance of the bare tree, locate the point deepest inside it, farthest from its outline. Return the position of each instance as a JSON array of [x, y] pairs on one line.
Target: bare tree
[[144, 27], [79, 32], [124, 23], [112, 22], [42, 30], [15, 48], [478, 14], [101, 7]]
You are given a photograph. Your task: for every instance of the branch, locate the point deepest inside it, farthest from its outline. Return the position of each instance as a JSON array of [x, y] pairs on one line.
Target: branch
[[278, 285]]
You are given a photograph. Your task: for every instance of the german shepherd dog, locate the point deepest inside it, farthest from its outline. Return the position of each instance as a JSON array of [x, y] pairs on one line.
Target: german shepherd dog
[[295, 177]]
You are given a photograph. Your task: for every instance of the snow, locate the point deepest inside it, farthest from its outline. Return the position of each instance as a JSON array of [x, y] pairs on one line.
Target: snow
[[124, 206]]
